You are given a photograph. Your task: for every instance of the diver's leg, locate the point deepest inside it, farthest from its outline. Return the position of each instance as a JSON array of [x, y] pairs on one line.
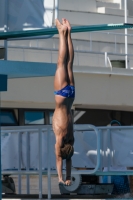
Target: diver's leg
[[61, 75], [70, 56], [60, 81]]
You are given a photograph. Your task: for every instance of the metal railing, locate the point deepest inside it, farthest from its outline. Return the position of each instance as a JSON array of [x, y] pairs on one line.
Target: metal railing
[[27, 172], [47, 129]]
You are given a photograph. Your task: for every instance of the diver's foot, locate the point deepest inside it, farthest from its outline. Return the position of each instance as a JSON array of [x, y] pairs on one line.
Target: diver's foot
[[66, 22], [68, 182], [61, 28]]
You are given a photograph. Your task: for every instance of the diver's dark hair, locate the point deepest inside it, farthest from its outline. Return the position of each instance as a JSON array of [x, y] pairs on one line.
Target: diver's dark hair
[[115, 122]]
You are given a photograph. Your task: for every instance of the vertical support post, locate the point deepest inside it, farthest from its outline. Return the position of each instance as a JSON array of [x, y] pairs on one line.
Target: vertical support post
[[56, 8], [78, 55], [27, 162], [51, 55], [49, 164], [101, 156], [3, 87], [19, 161], [108, 150], [106, 58], [23, 55], [5, 27], [126, 44], [115, 43], [40, 163], [90, 42]]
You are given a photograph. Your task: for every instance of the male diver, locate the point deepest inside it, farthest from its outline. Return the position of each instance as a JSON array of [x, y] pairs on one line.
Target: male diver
[[64, 97]]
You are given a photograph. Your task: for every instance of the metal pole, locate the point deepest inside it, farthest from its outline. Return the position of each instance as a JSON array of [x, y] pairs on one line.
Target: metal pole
[[115, 43], [27, 162], [101, 155], [108, 153], [40, 162], [126, 45], [19, 161], [56, 8], [6, 28], [49, 164], [106, 55], [90, 42]]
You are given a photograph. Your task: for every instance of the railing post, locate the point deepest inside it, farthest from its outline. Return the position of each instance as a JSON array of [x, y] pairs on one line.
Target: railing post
[[126, 42], [115, 43], [23, 55], [48, 160], [6, 28], [78, 55], [40, 162], [109, 155], [51, 55], [19, 160], [90, 42], [27, 161], [109, 63], [56, 8], [106, 58], [101, 155]]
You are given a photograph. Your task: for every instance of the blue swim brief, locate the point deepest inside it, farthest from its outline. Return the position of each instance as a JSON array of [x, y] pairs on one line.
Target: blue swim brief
[[68, 91]]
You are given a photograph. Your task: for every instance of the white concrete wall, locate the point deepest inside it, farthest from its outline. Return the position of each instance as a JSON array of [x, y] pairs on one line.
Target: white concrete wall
[[82, 59], [92, 90], [101, 91], [117, 1], [78, 5]]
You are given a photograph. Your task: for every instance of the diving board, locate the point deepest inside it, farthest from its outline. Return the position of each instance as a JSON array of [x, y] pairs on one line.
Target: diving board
[[18, 69], [52, 31]]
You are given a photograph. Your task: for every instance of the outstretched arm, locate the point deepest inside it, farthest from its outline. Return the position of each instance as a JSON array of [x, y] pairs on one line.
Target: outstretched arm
[[58, 158], [68, 171]]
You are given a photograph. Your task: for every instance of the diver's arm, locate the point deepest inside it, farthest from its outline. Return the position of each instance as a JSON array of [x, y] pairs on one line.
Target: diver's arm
[[68, 169], [58, 158]]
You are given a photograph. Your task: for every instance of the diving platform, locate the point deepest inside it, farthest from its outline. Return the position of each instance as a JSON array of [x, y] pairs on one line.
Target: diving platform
[[18, 69]]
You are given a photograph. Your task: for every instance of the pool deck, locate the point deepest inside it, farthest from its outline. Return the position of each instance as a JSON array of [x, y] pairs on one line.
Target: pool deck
[[62, 197], [55, 193]]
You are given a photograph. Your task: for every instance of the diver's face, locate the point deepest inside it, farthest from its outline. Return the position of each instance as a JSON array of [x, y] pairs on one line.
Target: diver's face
[[115, 124]]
